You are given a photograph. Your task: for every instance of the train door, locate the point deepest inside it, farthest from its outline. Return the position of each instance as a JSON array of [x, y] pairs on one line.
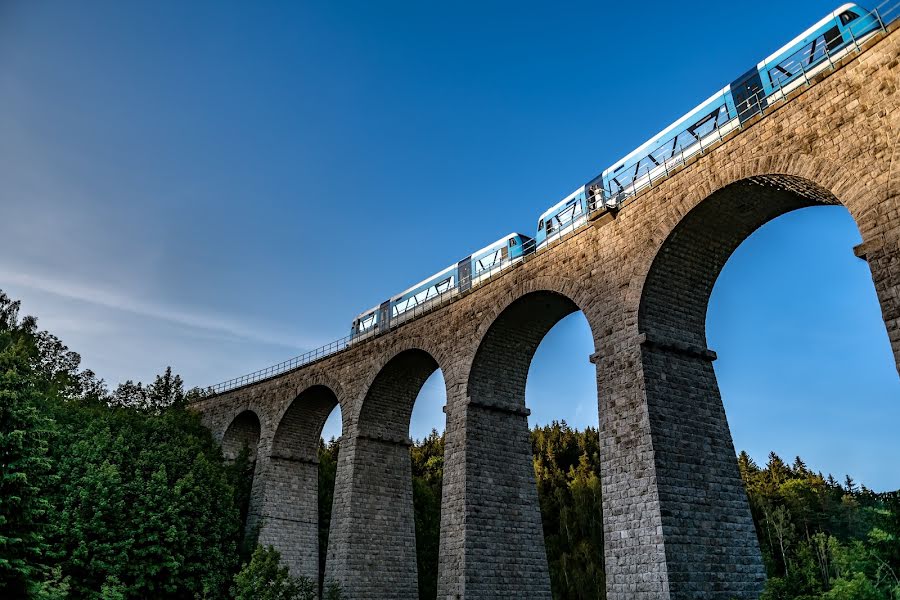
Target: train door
[[464, 271], [384, 315], [749, 96]]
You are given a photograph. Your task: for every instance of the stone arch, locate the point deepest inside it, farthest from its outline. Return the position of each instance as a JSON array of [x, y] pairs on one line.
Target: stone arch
[[442, 355], [318, 380], [387, 406], [488, 439], [556, 289], [300, 426], [825, 182], [679, 282], [693, 449], [289, 518], [813, 179], [244, 430], [500, 364], [372, 548], [559, 285]]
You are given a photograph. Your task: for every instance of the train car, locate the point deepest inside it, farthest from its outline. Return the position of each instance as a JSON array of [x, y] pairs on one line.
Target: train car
[[437, 286], [442, 285], [808, 53], [391, 312], [365, 324], [785, 69], [564, 216], [497, 256], [573, 210], [652, 159]]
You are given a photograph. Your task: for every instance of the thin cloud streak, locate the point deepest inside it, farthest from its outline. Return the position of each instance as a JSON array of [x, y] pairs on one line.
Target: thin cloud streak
[[111, 299]]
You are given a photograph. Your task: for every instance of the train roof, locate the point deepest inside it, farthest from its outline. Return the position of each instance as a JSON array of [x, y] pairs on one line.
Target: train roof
[[561, 203], [808, 31]]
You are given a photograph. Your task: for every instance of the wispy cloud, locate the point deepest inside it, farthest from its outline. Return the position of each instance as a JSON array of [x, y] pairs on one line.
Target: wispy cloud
[[117, 300]]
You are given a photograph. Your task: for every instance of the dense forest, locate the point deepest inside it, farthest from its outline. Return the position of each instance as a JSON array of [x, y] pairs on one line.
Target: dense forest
[[122, 494], [117, 494]]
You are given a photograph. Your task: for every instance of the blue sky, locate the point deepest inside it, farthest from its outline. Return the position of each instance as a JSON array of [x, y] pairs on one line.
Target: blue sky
[[222, 185]]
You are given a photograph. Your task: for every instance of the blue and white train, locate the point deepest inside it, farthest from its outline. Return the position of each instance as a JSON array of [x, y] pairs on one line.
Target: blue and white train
[[785, 69], [453, 280]]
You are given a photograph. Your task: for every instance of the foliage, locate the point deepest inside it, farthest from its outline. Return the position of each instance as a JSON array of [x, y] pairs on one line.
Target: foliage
[[328, 457], [24, 467], [821, 539], [427, 457], [146, 499], [567, 470], [131, 499], [264, 578]]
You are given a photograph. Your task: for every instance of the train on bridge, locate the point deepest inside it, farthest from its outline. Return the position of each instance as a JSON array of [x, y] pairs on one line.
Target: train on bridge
[[784, 70]]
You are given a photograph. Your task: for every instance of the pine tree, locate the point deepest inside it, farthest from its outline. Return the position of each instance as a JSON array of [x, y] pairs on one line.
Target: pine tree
[[166, 391], [747, 467]]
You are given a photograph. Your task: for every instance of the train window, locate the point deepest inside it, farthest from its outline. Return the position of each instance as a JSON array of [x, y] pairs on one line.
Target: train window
[[540, 224], [847, 16], [512, 242]]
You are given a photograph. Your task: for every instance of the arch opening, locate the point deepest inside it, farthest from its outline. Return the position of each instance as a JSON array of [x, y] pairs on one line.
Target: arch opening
[[328, 455], [561, 393], [427, 461], [382, 525], [501, 364], [795, 338], [694, 455], [798, 330], [243, 432], [676, 293], [502, 482], [290, 514], [240, 448], [388, 405]]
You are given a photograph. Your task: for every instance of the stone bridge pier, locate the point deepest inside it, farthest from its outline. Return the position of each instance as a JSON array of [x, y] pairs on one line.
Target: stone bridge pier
[[676, 519]]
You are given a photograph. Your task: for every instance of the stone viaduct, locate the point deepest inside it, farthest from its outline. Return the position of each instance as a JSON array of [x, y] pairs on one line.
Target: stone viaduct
[[676, 519]]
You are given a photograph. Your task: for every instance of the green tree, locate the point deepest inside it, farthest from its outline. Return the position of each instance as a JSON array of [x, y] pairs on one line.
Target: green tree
[[427, 458], [328, 457], [567, 470], [821, 539], [263, 578], [24, 467]]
